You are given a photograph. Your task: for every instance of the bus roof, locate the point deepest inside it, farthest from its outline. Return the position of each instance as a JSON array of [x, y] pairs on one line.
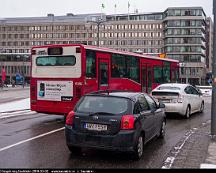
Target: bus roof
[[102, 49]]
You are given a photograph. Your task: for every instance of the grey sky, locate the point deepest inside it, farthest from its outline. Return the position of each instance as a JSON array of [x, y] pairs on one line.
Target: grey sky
[[29, 8]]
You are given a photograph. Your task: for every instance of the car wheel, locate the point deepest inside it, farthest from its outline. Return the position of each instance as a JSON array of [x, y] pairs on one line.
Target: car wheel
[[202, 107], [138, 149], [75, 150], [188, 112], [162, 130]]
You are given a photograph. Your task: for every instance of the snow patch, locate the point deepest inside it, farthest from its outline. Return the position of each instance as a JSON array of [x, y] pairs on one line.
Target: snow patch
[[207, 166], [15, 105]]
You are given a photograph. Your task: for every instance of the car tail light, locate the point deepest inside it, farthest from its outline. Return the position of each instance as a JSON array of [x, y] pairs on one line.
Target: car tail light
[[33, 52], [78, 91], [127, 122], [69, 118], [78, 50], [33, 91], [180, 99]]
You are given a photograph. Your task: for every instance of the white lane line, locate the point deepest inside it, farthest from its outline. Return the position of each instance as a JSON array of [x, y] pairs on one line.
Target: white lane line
[[30, 139], [170, 160]]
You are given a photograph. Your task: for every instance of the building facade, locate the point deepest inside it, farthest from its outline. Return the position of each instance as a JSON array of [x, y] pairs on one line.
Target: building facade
[[185, 40], [209, 44], [180, 33]]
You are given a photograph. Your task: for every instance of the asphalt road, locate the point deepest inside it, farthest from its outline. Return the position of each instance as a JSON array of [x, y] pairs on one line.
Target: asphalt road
[[26, 143]]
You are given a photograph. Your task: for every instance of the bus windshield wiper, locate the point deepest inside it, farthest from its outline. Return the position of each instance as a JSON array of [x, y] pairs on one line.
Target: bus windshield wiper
[[101, 113]]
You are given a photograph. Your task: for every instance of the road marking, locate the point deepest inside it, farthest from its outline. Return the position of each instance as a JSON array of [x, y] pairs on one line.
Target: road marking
[[30, 139], [170, 160]]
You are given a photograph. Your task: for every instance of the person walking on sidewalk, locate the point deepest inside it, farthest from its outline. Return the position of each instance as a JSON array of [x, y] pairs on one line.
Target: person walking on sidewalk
[[13, 83]]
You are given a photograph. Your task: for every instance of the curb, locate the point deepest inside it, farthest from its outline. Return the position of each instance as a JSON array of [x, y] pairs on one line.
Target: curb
[[14, 89], [207, 166], [210, 161], [15, 111]]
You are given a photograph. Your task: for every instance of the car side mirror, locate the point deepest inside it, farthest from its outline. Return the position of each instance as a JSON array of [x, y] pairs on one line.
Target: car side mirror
[[161, 105]]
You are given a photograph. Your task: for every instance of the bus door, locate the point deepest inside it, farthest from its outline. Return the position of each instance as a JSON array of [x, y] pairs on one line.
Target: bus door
[[103, 71], [174, 72], [146, 77]]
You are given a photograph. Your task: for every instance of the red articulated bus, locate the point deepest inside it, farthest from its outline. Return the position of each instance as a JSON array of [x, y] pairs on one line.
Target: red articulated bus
[[61, 74]]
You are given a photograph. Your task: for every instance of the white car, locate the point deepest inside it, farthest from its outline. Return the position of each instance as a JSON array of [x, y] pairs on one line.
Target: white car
[[183, 99], [205, 90]]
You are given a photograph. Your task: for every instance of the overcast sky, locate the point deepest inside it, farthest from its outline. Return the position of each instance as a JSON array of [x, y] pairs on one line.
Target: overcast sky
[[36, 8]]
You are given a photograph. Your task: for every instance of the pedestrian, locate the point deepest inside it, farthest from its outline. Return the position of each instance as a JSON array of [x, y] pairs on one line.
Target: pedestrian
[[13, 83], [23, 81]]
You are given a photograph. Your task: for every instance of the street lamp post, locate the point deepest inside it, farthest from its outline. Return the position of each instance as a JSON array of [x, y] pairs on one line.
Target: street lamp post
[[98, 22], [213, 107], [23, 72]]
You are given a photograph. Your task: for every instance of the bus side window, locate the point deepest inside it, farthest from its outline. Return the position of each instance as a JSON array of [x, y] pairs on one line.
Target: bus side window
[[90, 63]]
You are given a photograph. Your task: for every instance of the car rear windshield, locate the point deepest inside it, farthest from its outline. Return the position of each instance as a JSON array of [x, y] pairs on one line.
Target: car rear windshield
[[168, 88], [156, 93], [112, 105]]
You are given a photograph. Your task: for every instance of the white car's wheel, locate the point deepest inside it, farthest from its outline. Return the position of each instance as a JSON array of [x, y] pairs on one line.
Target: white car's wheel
[[188, 112], [202, 107]]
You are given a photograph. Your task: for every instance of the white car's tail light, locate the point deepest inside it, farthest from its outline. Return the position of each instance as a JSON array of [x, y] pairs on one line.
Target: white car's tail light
[[180, 99]]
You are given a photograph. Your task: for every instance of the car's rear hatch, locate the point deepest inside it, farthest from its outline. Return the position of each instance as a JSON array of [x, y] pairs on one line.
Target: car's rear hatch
[[100, 114], [97, 123], [166, 96]]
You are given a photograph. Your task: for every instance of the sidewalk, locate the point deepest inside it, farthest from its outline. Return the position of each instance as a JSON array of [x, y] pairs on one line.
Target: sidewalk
[[18, 105], [10, 88], [210, 161], [14, 99], [195, 151]]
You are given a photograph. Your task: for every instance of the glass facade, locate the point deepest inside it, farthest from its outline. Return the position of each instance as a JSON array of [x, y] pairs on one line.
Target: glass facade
[[185, 40]]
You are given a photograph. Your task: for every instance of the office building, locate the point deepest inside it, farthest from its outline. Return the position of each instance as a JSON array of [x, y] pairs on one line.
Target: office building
[[180, 33]]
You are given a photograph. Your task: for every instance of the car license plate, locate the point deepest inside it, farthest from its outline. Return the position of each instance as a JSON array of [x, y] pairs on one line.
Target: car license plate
[[97, 127], [165, 100]]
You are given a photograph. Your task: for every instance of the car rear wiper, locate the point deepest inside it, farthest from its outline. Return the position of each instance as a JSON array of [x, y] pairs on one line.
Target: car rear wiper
[[101, 113]]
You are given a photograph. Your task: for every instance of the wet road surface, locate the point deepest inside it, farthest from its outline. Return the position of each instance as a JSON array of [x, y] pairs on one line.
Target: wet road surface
[[50, 150]]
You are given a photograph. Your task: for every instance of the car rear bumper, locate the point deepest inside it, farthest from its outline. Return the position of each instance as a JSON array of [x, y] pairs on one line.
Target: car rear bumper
[[178, 108], [122, 141]]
